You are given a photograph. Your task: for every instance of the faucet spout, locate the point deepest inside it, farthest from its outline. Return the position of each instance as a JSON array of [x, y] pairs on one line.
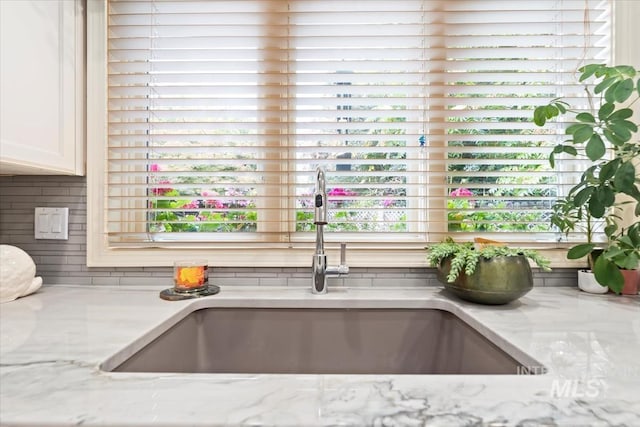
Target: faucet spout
[[320, 198], [320, 270]]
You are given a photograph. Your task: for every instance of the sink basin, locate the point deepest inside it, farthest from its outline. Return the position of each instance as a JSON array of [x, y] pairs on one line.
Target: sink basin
[[318, 341]]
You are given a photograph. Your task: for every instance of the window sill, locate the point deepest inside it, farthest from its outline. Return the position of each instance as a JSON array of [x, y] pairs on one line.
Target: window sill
[[357, 256]]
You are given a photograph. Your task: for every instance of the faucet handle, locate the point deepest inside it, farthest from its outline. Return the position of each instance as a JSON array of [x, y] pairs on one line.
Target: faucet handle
[[343, 253], [343, 268]]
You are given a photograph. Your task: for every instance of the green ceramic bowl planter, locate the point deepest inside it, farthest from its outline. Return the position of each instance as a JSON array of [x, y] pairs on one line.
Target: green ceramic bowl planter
[[488, 275]]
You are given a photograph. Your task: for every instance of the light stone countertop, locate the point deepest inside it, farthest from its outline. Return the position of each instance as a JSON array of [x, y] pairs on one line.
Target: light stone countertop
[[53, 342]]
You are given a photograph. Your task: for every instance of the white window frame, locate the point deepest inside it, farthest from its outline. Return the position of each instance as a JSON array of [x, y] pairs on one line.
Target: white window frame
[[625, 32]]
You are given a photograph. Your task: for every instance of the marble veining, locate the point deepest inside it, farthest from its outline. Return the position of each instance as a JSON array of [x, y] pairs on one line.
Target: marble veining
[[53, 342]]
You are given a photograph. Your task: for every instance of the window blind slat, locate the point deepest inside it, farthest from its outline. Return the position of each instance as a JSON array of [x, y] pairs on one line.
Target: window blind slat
[[219, 112]]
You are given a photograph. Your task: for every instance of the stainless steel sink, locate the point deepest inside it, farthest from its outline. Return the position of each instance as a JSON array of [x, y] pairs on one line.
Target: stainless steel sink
[[319, 341]]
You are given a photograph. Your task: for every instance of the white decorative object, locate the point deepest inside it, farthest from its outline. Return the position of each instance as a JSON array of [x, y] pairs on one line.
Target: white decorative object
[[588, 283], [17, 274]]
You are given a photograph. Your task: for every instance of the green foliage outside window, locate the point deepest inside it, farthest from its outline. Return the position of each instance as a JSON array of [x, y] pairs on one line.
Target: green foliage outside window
[[495, 198]]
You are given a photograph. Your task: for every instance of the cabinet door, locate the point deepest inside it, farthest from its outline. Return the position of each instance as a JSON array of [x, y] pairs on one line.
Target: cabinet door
[[41, 87]]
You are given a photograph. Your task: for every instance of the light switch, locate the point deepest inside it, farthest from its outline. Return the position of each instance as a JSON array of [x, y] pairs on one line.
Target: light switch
[[43, 221], [52, 223], [56, 223]]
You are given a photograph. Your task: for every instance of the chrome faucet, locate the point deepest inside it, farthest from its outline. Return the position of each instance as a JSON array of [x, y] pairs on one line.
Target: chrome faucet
[[320, 270]]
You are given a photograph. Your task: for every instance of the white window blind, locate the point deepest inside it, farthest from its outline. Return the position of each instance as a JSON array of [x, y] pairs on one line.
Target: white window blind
[[420, 111]]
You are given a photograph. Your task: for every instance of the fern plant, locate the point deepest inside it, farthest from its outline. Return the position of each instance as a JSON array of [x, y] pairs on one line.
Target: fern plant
[[465, 257]]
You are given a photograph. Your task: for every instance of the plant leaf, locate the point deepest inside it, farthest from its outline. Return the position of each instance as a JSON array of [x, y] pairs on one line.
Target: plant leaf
[[582, 196], [552, 160], [604, 84], [609, 169], [610, 229], [606, 109], [585, 117], [626, 69], [634, 235], [570, 150], [613, 252], [623, 90], [606, 195], [588, 70], [627, 124], [580, 251], [570, 130], [551, 111], [621, 114], [625, 241], [625, 177], [540, 115], [609, 94], [631, 263], [602, 71], [589, 173], [596, 207], [612, 138], [583, 133], [620, 131], [595, 148], [608, 274]]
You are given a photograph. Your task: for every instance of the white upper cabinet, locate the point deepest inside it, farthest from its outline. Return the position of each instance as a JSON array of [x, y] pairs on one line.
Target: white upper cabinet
[[42, 87]]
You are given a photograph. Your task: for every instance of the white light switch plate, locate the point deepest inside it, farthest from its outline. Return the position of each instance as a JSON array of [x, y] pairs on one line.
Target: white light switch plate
[[52, 223]]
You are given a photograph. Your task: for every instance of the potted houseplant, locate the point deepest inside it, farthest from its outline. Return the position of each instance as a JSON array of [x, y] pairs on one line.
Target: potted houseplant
[[487, 274], [623, 253], [570, 216], [607, 136]]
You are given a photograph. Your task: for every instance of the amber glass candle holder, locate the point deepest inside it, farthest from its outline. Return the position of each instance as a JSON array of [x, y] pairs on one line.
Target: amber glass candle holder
[[190, 276]]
